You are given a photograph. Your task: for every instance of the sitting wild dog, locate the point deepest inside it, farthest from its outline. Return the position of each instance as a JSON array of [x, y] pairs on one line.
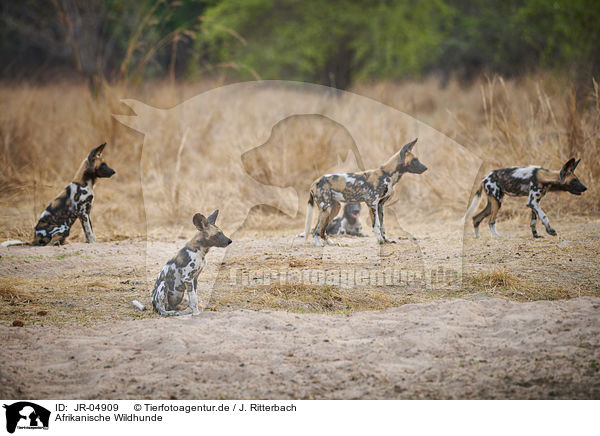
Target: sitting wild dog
[[181, 272], [373, 187], [74, 202], [348, 224], [531, 181]]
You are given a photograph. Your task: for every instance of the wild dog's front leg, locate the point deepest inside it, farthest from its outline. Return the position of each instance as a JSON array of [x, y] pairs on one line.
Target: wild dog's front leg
[[380, 213], [533, 203], [374, 211], [193, 296], [532, 224], [86, 223]]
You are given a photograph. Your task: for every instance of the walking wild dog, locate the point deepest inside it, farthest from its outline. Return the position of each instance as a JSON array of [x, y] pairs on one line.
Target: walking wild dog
[[181, 272], [531, 181], [74, 202], [373, 187]]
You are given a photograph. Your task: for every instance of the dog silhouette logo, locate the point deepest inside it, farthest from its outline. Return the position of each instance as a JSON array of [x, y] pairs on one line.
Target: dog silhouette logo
[[258, 146], [26, 415]]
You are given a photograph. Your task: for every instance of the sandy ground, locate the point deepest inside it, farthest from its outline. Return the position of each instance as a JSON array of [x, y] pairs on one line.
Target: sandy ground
[[480, 348], [523, 321]]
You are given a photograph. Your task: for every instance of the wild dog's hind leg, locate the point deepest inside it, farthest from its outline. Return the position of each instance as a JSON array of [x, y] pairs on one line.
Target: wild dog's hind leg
[[175, 298], [495, 203], [321, 227], [335, 208], [58, 239], [480, 217]]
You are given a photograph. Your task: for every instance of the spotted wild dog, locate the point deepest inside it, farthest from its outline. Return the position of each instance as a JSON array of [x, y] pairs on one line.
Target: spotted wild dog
[[180, 274], [373, 187], [74, 202], [348, 223], [531, 181]]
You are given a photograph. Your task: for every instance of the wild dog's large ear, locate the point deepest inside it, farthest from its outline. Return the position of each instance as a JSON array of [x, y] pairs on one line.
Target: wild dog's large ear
[[568, 168], [213, 217], [408, 147], [96, 153], [200, 221]]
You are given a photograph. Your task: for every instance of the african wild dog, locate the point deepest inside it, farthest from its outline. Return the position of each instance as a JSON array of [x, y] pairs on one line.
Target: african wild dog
[[532, 181], [373, 187], [74, 202], [348, 223], [181, 272]]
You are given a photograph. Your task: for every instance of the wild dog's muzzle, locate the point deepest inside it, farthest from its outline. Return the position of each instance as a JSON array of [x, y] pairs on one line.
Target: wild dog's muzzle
[[219, 240], [577, 188], [416, 167], [104, 171]]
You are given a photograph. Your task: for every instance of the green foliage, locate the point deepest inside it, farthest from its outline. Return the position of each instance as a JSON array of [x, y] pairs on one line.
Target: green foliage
[[563, 32], [333, 43], [327, 42]]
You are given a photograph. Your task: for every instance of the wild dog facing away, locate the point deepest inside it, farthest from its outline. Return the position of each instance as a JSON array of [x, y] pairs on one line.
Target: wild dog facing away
[[373, 187], [181, 272], [348, 223], [531, 181], [74, 202]]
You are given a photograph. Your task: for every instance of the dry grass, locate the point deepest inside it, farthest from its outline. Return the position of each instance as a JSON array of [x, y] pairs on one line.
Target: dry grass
[[58, 300], [535, 120], [494, 279], [314, 298], [45, 131], [499, 282], [11, 294]]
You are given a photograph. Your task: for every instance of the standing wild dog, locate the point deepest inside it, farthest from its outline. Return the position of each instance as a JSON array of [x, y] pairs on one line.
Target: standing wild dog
[[373, 187], [348, 224], [74, 202], [181, 272], [532, 181]]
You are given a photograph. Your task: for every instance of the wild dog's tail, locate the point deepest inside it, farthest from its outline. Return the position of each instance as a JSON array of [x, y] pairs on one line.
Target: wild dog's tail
[[475, 201], [138, 305], [309, 212], [14, 242]]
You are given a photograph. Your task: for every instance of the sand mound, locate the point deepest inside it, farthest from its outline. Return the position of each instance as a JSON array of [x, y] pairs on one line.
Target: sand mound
[[478, 348]]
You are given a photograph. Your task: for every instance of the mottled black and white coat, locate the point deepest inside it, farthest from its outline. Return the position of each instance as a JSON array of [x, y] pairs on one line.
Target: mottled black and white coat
[[75, 202], [180, 274], [348, 223], [530, 181], [372, 187]]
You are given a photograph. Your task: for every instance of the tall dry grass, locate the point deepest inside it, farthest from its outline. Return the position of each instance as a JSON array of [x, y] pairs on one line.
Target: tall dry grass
[[45, 131], [534, 120]]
